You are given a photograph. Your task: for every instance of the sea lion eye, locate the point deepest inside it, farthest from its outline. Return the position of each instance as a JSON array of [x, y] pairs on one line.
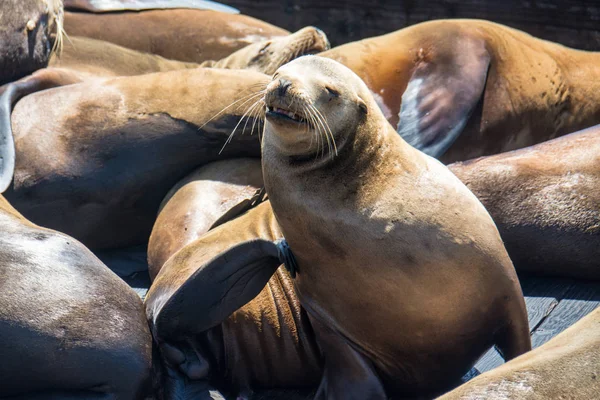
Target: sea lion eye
[[332, 92]]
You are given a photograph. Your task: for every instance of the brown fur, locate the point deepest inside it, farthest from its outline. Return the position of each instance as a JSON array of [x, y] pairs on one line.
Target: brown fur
[[545, 200], [401, 270], [199, 200], [95, 159], [535, 90], [75, 329], [29, 30], [97, 58], [268, 342], [567, 367], [180, 34]]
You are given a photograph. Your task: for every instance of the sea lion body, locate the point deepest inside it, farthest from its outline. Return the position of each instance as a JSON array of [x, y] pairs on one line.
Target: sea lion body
[[96, 58], [107, 151], [28, 32], [567, 367], [179, 34], [381, 233], [199, 202], [72, 328], [545, 200], [459, 89]]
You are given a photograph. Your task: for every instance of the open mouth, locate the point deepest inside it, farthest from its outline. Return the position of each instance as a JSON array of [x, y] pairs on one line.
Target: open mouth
[[285, 114]]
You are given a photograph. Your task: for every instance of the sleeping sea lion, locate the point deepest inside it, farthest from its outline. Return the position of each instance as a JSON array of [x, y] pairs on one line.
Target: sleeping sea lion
[[459, 89], [29, 30], [178, 34], [97, 58], [566, 367], [95, 159], [72, 329], [545, 200]]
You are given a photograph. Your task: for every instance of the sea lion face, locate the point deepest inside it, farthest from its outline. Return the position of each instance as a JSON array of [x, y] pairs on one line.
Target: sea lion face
[[272, 54], [27, 35], [313, 105]]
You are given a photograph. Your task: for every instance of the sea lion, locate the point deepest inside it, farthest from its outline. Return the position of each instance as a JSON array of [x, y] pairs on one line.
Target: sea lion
[[566, 367], [265, 343], [545, 200], [97, 58], [95, 159], [206, 198], [29, 30], [384, 236], [72, 328], [185, 34], [459, 89]]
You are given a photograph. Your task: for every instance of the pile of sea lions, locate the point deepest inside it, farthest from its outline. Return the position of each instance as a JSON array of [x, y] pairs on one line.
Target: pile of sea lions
[[314, 218]]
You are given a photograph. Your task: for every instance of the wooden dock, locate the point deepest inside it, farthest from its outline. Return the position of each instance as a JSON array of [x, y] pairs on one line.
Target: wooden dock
[[553, 304]]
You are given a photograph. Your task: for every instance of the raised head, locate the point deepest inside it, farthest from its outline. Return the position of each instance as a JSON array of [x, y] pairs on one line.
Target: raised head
[[314, 105]]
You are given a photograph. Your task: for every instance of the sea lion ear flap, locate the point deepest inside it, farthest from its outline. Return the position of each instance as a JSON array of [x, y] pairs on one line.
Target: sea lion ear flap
[[215, 290], [442, 93], [10, 94]]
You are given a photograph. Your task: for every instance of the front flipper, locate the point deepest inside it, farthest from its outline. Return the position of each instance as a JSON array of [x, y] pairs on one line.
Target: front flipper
[[214, 289], [100, 6], [442, 93], [348, 374], [10, 94]]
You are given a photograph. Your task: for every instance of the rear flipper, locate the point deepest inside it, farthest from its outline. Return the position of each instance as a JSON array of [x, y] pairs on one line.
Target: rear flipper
[[10, 94]]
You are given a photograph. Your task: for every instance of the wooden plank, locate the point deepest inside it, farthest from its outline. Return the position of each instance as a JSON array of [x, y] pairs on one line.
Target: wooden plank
[[570, 22], [542, 295], [581, 299]]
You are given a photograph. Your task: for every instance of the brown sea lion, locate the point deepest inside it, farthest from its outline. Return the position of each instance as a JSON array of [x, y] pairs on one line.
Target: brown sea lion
[[97, 58], [72, 329], [184, 34], [95, 159], [545, 200], [384, 236], [29, 30], [459, 89], [202, 200], [566, 367], [268, 342]]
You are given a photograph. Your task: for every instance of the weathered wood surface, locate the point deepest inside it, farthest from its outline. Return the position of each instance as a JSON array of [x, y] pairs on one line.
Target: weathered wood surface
[[575, 23], [553, 305]]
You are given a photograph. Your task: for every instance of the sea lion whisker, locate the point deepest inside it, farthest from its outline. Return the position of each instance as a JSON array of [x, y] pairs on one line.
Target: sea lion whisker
[[329, 129], [318, 130], [256, 117], [237, 125], [319, 118], [246, 98]]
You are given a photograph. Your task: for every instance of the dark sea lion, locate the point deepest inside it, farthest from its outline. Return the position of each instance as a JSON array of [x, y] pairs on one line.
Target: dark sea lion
[[29, 30], [72, 329], [263, 340], [459, 89], [202, 200], [141, 5], [95, 159], [91, 57], [184, 34], [566, 367], [545, 200], [384, 236]]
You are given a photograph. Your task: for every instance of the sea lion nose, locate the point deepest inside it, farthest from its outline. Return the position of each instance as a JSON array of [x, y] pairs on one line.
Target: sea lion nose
[[283, 87]]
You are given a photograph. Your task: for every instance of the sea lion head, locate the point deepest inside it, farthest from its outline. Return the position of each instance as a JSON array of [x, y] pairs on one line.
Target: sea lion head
[[29, 31], [271, 54], [313, 106]]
